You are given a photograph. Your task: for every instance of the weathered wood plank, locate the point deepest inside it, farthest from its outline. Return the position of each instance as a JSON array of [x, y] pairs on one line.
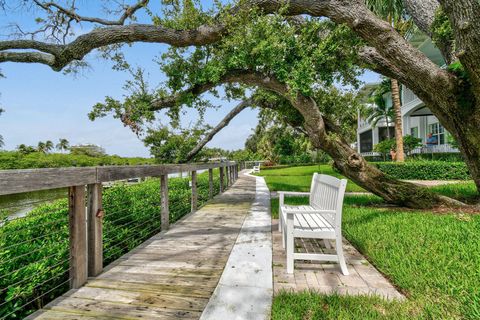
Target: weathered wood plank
[[60, 315], [222, 182], [210, 183], [165, 204], [78, 236], [227, 176], [112, 173], [27, 180], [94, 229], [209, 282], [95, 308], [136, 298], [176, 290], [167, 271], [194, 204], [18, 181]]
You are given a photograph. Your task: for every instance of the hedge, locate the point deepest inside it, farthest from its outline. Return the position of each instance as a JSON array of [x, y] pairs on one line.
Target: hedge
[[17, 160], [425, 170]]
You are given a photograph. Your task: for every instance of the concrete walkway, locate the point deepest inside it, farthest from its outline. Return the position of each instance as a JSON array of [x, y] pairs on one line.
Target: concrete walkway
[[245, 287]]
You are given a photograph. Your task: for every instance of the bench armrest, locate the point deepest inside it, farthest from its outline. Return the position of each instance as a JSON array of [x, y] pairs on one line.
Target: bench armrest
[[281, 195]]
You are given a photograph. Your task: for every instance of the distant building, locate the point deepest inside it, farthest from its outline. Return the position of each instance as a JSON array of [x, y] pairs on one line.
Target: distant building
[[418, 120], [88, 149]]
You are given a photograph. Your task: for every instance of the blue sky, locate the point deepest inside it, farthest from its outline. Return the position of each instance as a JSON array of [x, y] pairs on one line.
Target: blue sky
[[44, 105]]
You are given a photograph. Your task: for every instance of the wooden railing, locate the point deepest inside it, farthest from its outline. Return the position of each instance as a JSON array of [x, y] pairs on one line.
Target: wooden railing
[[85, 201]]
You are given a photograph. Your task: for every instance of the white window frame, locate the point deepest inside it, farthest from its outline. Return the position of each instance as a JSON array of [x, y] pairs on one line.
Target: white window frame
[[438, 131]]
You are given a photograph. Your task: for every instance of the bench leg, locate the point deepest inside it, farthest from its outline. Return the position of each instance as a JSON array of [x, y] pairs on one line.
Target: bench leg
[[341, 257], [280, 220], [290, 246]]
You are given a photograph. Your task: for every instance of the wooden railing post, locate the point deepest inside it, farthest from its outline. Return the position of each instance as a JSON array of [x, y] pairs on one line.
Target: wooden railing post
[[210, 183], [222, 187], [94, 229], [78, 236], [227, 176], [165, 210], [194, 191]]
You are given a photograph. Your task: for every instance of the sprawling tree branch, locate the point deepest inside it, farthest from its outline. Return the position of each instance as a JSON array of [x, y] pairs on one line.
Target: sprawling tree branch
[[222, 124], [127, 13], [170, 101], [377, 32], [58, 56], [422, 13], [378, 63]]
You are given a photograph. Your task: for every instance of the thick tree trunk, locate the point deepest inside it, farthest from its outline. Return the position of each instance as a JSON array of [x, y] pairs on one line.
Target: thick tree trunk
[[397, 108], [466, 132]]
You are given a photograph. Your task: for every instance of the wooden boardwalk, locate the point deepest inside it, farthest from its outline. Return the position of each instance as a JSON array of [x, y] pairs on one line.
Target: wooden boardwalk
[[170, 276]]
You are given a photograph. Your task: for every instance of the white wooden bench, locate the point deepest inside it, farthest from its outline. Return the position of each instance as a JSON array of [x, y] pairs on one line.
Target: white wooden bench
[[256, 169], [321, 219]]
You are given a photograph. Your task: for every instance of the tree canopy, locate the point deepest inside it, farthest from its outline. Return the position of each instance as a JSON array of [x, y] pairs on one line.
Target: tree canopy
[[288, 50]]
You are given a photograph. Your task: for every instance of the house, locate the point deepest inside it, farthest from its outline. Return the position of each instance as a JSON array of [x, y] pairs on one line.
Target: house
[[418, 120]]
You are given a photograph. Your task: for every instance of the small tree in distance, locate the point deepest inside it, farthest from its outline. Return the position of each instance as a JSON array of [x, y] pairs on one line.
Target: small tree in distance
[[63, 145]]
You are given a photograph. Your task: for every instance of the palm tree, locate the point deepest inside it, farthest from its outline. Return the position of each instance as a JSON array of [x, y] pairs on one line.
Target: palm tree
[[24, 149], [41, 147], [380, 111], [48, 145], [63, 145], [393, 11]]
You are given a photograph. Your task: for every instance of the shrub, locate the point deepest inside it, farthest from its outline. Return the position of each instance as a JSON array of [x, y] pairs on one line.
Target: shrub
[[425, 170], [409, 143], [18, 160]]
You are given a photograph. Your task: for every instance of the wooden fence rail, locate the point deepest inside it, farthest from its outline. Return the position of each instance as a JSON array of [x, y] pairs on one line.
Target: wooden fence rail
[[85, 201]]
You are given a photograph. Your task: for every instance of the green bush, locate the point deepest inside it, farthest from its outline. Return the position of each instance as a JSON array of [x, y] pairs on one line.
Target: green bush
[[34, 256], [17, 160], [425, 170], [438, 156]]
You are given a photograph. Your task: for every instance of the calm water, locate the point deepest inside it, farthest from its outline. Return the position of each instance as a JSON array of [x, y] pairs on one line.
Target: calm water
[[18, 205]]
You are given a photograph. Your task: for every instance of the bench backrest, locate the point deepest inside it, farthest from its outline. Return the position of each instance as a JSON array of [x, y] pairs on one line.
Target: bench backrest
[[326, 193]]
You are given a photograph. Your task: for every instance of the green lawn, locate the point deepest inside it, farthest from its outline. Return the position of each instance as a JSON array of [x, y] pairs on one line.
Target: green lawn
[[299, 178], [434, 259]]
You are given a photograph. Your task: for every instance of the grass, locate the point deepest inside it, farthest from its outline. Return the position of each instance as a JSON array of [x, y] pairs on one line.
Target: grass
[[463, 191], [434, 259], [299, 178]]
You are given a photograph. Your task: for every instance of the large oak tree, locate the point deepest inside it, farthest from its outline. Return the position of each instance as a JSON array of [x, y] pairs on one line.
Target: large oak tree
[[452, 94]]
